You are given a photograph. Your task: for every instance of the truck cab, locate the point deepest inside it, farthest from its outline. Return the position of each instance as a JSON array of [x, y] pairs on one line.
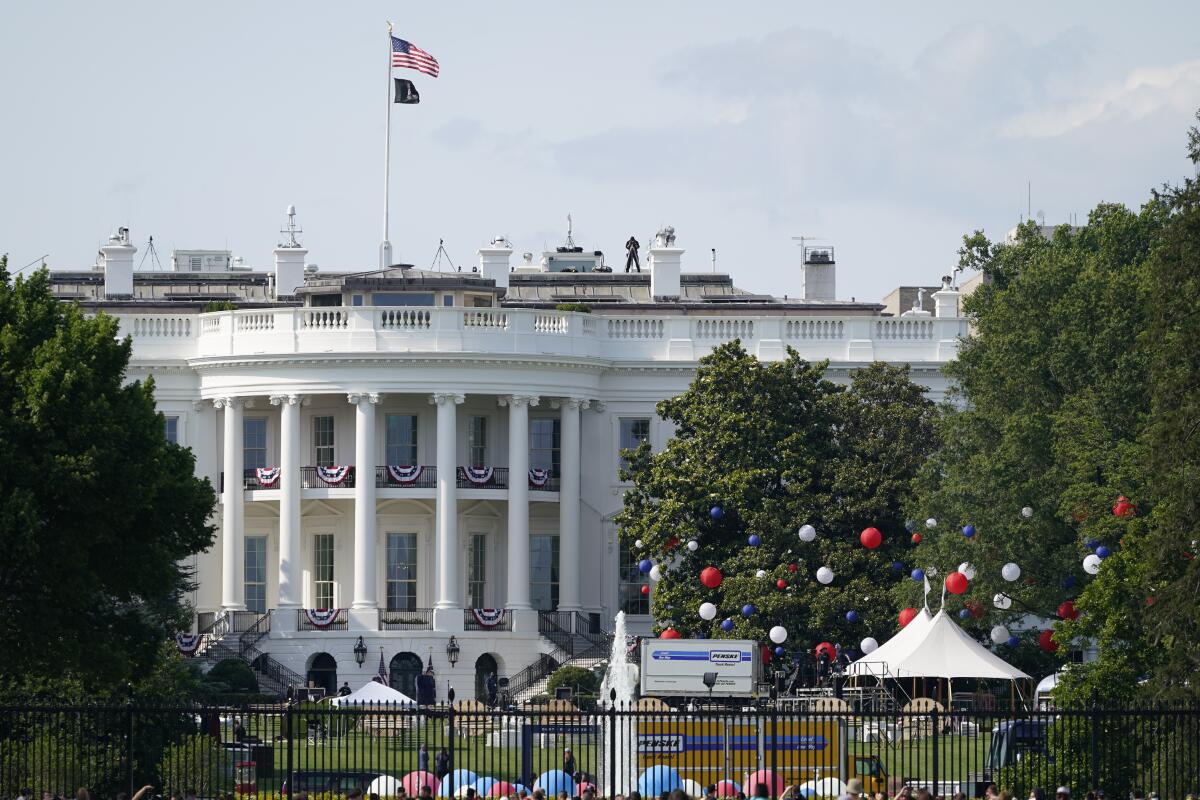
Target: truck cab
[[872, 773]]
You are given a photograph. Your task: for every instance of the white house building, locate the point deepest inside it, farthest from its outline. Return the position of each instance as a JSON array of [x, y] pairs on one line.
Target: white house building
[[402, 454]]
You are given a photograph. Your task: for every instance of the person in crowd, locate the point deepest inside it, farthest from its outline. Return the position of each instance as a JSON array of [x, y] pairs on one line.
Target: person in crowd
[[760, 790], [426, 792], [354, 794], [441, 764], [492, 686], [960, 796], [679, 794], [1062, 793], [189, 794], [239, 731], [1036, 793], [710, 792], [854, 788], [1138, 794], [634, 795], [990, 792], [588, 794], [374, 796], [539, 794], [1006, 795], [345, 690], [423, 758], [427, 687], [83, 794], [25, 794], [471, 793], [562, 794], [568, 765], [740, 795], [923, 794]]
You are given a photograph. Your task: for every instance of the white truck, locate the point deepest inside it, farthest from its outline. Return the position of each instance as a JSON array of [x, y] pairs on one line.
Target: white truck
[[677, 667]]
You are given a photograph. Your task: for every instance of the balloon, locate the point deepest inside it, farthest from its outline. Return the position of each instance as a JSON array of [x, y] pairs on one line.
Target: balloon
[[828, 648], [825, 575], [852, 616], [868, 645], [897, 566], [999, 634], [689, 787], [1091, 564], [1103, 551], [974, 608], [1002, 601], [1124, 508], [1066, 610], [555, 780], [459, 778], [708, 611], [1068, 582], [1013, 641], [916, 538], [414, 781], [645, 565], [967, 569], [715, 512], [483, 785], [968, 531], [963, 613], [711, 577], [807, 533], [931, 572], [910, 525], [792, 568], [645, 590], [766, 777], [654, 781], [1010, 572], [762, 573], [727, 788], [656, 573], [672, 543], [1092, 544], [781, 584], [931, 523], [778, 634], [1027, 512], [1046, 641], [918, 574], [779, 651], [956, 583], [670, 633], [747, 610], [693, 545], [638, 543], [907, 616], [870, 538], [727, 625], [755, 540]]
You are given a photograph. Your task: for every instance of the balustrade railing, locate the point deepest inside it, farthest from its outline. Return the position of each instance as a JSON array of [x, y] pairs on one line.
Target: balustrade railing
[[339, 622], [322, 478], [483, 477], [403, 477], [413, 619], [472, 623]]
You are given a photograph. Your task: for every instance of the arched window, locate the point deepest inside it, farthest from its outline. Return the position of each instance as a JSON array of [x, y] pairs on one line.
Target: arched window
[[403, 672], [484, 665], [322, 673]]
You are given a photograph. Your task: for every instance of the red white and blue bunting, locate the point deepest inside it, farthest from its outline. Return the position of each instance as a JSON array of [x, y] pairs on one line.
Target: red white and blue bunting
[[488, 617], [267, 477], [404, 475], [333, 475], [478, 475], [188, 643], [322, 618], [539, 477]]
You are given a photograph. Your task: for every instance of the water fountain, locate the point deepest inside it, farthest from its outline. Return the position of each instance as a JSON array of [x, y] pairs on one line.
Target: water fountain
[[617, 765]]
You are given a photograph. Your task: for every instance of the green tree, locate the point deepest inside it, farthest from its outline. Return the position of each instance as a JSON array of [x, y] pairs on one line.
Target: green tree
[[97, 510], [775, 446]]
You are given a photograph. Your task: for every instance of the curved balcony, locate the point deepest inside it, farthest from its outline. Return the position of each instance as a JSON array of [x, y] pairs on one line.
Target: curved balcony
[[395, 477]]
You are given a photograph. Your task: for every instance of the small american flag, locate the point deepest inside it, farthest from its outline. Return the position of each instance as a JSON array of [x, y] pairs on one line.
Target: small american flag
[[409, 55], [381, 676]]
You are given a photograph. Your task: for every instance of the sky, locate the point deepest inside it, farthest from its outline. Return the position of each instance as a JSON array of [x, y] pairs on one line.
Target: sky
[[886, 129]]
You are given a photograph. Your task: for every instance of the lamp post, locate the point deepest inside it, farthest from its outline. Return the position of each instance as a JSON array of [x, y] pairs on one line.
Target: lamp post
[[452, 651], [360, 651]]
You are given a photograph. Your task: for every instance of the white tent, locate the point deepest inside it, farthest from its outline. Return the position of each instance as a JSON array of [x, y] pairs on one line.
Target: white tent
[[939, 648], [374, 693]]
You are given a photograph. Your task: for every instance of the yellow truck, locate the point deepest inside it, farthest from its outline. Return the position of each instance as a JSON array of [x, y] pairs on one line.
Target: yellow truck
[[795, 750]]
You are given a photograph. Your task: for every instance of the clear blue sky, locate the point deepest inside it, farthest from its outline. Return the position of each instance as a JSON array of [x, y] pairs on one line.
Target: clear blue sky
[[889, 129]]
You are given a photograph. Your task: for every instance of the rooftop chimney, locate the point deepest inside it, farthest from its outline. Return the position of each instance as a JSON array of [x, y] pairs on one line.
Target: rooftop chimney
[[494, 261], [819, 270], [665, 261], [945, 300], [289, 259], [118, 264]]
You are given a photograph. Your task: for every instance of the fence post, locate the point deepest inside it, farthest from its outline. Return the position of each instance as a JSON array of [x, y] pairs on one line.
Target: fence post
[[936, 771], [289, 733], [450, 736], [1094, 735], [612, 745], [129, 738]]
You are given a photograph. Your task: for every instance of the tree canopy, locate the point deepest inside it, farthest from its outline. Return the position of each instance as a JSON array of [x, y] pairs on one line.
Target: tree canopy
[[97, 510]]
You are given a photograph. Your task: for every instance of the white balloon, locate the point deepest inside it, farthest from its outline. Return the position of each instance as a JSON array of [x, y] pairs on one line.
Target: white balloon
[[1002, 601], [825, 575], [999, 634], [967, 569], [638, 543], [807, 533], [931, 572], [656, 573], [1011, 572], [778, 634], [693, 545], [1091, 564], [762, 573], [708, 611], [931, 523], [868, 645], [1027, 512]]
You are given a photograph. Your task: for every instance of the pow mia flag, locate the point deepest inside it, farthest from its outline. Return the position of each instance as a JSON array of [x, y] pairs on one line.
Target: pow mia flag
[[405, 92]]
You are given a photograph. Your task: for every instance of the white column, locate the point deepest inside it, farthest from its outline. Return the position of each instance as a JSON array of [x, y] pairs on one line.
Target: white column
[[568, 505], [447, 610], [365, 602], [232, 510], [518, 510], [290, 589]]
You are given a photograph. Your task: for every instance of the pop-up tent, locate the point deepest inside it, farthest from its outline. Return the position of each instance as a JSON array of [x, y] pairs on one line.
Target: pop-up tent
[[373, 695], [934, 648]]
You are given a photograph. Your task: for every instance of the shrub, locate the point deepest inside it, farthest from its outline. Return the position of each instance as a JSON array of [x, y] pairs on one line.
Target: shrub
[[193, 763], [234, 675], [582, 308], [218, 305], [581, 681]]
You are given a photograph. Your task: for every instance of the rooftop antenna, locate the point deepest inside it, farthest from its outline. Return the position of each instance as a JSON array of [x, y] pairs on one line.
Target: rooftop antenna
[[714, 261], [570, 240], [291, 230], [437, 258], [152, 253], [802, 240], [39, 260]]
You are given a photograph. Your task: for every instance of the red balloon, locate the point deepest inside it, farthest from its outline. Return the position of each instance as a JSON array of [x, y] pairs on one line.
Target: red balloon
[[673, 542], [670, 633], [829, 650], [792, 568], [956, 582], [645, 590], [916, 538], [781, 583], [1067, 611], [1124, 508], [907, 616], [711, 577], [975, 607], [871, 538], [1046, 641]]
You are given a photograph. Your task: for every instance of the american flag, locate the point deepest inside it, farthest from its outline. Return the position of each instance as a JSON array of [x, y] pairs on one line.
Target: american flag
[[381, 676], [409, 55]]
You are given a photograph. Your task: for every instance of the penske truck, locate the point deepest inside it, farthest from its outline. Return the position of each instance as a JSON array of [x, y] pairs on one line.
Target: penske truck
[[677, 667]]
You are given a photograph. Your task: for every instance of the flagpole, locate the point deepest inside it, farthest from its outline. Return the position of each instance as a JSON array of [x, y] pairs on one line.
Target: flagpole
[[385, 249]]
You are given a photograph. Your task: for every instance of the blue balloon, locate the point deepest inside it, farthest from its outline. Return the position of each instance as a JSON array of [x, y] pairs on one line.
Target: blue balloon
[[897, 566], [968, 531], [715, 512], [1091, 544], [1103, 551], [482, 785], [755, 540], [918, 574], [910, 525], [1013, 641], [645, 565], [1068, 582], [699, 635], [852, 616], [658, 779], [747, 610], [963, 613], [555, 781], [457, 778], [779, 651], [727, 625]]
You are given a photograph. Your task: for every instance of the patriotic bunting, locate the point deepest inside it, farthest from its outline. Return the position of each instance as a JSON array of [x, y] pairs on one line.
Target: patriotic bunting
[[539, 477], [488, 617], [322, 618], [334, 476], [404, 475], [267, 477], [188, 643], [478, 475]]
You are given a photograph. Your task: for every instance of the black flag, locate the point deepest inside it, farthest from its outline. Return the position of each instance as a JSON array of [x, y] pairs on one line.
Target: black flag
[[406, 92]]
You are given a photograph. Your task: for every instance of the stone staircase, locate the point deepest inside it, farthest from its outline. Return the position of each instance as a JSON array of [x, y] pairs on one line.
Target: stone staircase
[[574, 642], [236, 635]]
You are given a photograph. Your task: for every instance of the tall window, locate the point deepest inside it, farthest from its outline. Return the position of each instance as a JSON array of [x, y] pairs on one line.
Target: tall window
[[544, 440], [323, 441], [401, 439], [477, 570], [401, 571], [254, 442], [171, 430], [543, 569], [634, 431], [256, 574], [323, 571], [477, 450], [629, 590]]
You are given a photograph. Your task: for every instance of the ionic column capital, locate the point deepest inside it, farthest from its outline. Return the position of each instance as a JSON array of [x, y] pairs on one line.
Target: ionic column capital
[[287, 399], [442, 398], [198, 406], [354, 398], [229, 402], [514, 400], [570, 403]]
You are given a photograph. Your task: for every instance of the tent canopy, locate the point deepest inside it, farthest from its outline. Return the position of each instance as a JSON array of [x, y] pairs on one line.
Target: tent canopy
[[937, 648], [374, 693]]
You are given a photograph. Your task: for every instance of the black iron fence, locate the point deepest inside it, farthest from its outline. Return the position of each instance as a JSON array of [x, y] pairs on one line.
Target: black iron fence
[[273, 751]]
